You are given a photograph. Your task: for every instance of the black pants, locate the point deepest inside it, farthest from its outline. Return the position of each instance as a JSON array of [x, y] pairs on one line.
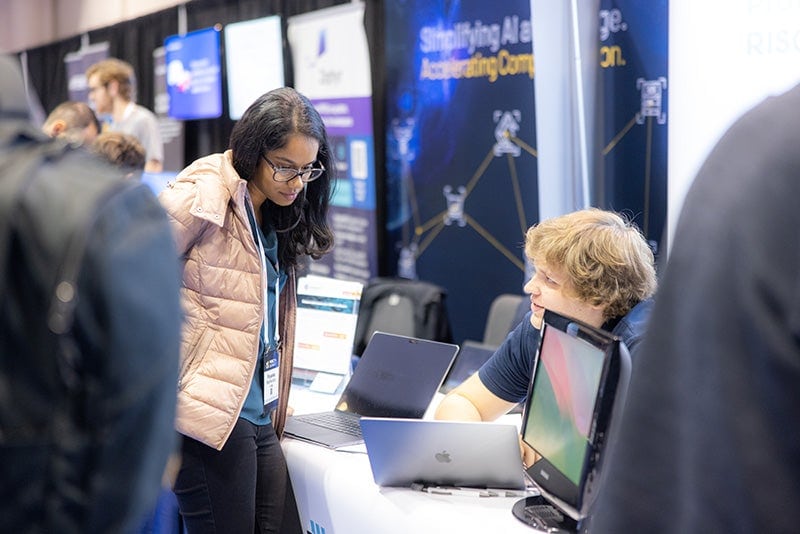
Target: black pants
[[242, 489]]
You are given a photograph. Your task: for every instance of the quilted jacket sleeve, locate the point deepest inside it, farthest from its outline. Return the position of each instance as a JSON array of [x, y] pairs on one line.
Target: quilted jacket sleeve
[[177, 199]]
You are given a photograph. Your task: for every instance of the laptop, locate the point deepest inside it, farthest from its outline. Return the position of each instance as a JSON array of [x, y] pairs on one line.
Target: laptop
[[469, 359], [405, 452], [579, 380], [397, 376]]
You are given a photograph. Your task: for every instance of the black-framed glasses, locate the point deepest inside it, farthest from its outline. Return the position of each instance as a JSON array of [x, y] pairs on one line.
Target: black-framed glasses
[[287, 174]]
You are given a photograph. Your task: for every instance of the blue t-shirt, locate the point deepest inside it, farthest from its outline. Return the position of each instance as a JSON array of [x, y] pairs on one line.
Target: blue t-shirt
[[508, 372], [253, 409]]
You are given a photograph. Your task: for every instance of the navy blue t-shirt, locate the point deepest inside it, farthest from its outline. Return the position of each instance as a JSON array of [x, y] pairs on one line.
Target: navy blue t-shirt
[[508, 372]]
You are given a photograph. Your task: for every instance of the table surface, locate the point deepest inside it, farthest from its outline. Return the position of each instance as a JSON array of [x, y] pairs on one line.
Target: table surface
[[336, 493]]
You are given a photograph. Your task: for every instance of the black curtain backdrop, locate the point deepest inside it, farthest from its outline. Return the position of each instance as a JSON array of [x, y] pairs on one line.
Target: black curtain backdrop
[[135, 40]]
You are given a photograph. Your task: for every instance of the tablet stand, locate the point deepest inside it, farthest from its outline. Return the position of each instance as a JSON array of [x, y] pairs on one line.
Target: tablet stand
[[537, 513]]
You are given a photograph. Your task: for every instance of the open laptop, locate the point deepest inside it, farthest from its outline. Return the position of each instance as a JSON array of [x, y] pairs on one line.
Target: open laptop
[[404, 452], [468, 360], [579, 380], [397, 376]]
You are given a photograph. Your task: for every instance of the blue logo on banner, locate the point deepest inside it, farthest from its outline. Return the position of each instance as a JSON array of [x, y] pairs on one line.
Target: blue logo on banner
[[316, 529]]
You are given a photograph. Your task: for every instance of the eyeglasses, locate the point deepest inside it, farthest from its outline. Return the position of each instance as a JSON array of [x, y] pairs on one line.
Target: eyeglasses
[[97, 87], [287, 174]]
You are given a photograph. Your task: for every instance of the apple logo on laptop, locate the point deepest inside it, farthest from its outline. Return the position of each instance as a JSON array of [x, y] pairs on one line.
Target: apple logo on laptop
[[443, 457]]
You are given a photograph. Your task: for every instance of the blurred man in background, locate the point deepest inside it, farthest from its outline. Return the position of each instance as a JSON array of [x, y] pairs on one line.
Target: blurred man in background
[[72, 121], [111, 88]]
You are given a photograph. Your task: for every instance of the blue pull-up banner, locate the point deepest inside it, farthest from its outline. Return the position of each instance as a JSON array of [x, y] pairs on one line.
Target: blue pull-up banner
[[461, 149], [633, 112]]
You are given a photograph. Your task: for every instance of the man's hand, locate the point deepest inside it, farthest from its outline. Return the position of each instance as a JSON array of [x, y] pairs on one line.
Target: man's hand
[[529, 456]]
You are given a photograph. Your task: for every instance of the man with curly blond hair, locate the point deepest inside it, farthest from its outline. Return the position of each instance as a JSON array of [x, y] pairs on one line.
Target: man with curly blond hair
[[591, 265]]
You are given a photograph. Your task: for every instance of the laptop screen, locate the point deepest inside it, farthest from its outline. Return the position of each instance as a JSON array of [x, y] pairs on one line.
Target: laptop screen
[[469, 359], [560, 420], [397, 376]]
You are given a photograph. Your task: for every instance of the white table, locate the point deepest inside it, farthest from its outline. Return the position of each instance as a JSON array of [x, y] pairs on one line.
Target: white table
[[336, 493]]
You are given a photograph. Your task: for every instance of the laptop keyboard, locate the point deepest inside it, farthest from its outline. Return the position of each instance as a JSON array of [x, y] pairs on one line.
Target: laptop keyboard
[[335, 421]]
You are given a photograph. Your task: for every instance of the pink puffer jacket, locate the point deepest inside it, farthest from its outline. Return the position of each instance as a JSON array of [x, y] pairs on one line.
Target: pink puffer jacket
[[222, 297]]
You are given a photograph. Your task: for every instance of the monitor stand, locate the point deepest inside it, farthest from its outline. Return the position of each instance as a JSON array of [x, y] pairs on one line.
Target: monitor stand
[[537, 513]]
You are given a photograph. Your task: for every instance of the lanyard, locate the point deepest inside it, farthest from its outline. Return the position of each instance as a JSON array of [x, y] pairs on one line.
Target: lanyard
[[265, 276], [271, 354]]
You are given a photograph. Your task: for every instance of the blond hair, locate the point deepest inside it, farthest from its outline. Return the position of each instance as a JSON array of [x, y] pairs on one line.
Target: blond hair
[[605, 257], [114, 70]]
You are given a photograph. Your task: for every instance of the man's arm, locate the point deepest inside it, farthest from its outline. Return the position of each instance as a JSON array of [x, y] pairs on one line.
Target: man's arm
[[153, 143], [507, 372], [472, 401]]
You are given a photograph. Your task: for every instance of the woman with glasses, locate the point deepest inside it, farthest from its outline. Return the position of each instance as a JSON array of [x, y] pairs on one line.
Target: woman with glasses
[[242, 220]]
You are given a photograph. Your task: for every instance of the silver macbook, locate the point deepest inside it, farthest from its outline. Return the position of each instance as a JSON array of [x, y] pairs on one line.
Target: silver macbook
[[397, 376], [403, 452]]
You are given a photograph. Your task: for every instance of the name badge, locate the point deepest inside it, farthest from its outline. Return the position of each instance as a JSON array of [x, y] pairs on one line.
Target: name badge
[[271, 375]]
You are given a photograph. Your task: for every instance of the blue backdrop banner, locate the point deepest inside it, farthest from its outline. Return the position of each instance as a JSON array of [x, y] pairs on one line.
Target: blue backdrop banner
[[633, 112], [194, 74], [461, 156]]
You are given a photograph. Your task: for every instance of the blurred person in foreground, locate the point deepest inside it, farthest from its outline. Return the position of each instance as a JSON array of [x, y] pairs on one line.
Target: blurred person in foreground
[[89, 334], [710, 440]]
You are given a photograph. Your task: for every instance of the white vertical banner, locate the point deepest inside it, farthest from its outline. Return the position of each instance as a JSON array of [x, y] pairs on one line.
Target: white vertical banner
[[254, 58], [330, 56], [171, 129], [330, 53], [720, 70]]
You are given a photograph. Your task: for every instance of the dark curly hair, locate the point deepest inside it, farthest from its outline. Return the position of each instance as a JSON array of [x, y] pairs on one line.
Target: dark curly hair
[[266, 126]]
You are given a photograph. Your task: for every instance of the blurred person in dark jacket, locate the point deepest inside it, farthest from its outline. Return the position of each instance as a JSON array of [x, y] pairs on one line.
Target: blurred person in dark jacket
[[709, 440], [89, 334]]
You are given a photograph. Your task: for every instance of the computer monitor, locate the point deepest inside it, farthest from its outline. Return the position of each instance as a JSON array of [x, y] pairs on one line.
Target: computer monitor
[[194, 74], [580, 377]]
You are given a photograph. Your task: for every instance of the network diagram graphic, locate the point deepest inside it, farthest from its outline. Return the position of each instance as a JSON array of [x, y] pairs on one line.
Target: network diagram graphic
[[418, 234], [650, 109]]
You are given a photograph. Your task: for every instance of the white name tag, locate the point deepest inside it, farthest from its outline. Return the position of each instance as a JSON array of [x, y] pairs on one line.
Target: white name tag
[[271, 370]]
